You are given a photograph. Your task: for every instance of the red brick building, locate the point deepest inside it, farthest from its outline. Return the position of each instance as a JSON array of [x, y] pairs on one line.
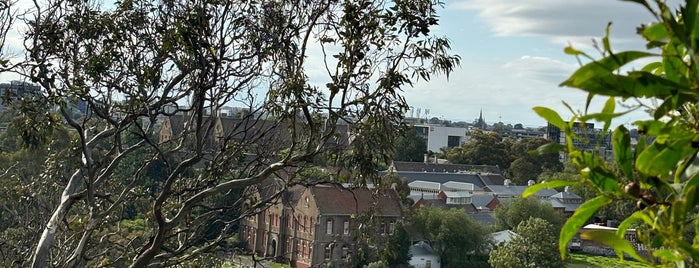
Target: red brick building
[[310, 226]]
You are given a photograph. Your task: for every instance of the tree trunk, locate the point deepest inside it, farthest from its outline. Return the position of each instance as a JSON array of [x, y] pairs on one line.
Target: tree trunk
[[43, 247]]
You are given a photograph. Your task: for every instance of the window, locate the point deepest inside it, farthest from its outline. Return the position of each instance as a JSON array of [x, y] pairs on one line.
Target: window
[[329, 227], [383, 227], [391, 227], [345, 229], [328, 251], [428, 264], [344, 252]]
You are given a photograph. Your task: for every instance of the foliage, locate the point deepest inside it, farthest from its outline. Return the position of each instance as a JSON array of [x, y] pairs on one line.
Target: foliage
[[659, 172], [534, 246], [142, 64], [509, 216], [528, 164], [459, 241], [483, 148], [400, 185], [397, 252], [594, 261], [410, 147]]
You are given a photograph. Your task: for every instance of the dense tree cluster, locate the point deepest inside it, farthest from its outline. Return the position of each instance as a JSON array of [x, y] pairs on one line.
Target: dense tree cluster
[[459, 241], [104, 189], [517, 157], [534, 245]]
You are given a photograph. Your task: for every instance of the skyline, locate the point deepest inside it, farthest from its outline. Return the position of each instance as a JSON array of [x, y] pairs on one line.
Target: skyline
[[512, 57]]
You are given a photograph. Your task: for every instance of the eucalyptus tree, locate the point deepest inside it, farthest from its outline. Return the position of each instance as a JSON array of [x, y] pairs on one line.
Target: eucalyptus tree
[[299, 67]]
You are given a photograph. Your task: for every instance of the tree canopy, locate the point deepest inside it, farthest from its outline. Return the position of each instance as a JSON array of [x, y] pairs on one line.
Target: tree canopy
[[508, 216], [138, 65], [459, 241], [534, 245]]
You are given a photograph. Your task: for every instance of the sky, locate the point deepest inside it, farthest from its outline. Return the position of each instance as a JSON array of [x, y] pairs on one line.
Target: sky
[[512, 57]]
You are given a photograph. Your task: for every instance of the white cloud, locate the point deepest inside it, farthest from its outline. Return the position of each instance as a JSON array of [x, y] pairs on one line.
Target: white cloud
[[574, 21]]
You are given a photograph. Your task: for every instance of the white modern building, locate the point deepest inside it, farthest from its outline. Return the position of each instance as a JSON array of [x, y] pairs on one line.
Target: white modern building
[[438, 136]]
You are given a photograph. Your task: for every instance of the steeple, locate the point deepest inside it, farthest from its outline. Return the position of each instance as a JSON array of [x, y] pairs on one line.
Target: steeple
[[480, 124]]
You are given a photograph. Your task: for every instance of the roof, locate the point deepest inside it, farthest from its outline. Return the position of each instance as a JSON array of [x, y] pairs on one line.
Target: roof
[[421, 249], [458, 186], [566, 195], [440, 177], [457, 194], [333, 199], [452, 168], [517, 190], [567, 207], [493, 179], [481, 200], [502, 236], [425, 185]]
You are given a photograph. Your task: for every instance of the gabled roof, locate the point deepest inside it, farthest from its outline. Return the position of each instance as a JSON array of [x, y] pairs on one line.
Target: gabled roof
[[567, 207], [335, 200], [481, 200], [566, 196], [493, 179], [451, 168], [421, 249], [502, 236]]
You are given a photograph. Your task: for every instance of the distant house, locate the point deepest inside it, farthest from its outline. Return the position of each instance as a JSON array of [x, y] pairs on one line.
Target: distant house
[[485, 202], [566, 202], [318, 225], [423, 256], [502, 237]]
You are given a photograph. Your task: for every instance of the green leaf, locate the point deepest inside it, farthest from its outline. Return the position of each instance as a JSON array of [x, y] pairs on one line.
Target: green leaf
[[549, 184], [619, 244], [579, 218], [621, 144], [668, 255], [551, 116], [661, 157], [635, 217], [603, 67]]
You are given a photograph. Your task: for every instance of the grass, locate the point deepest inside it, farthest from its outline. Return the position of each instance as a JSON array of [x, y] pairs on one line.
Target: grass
[[591, 261]]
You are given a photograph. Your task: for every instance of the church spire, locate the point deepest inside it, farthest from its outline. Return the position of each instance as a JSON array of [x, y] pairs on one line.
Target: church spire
[[481, 122]]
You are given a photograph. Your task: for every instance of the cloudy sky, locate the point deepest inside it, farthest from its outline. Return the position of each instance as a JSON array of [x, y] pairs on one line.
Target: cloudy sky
[[512, 56]]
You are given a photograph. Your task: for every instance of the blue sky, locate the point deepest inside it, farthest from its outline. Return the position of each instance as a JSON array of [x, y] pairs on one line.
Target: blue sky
[[512, 56]]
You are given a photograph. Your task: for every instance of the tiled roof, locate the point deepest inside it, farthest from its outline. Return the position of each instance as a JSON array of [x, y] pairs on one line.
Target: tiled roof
[[451, 168], [332, 199]]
